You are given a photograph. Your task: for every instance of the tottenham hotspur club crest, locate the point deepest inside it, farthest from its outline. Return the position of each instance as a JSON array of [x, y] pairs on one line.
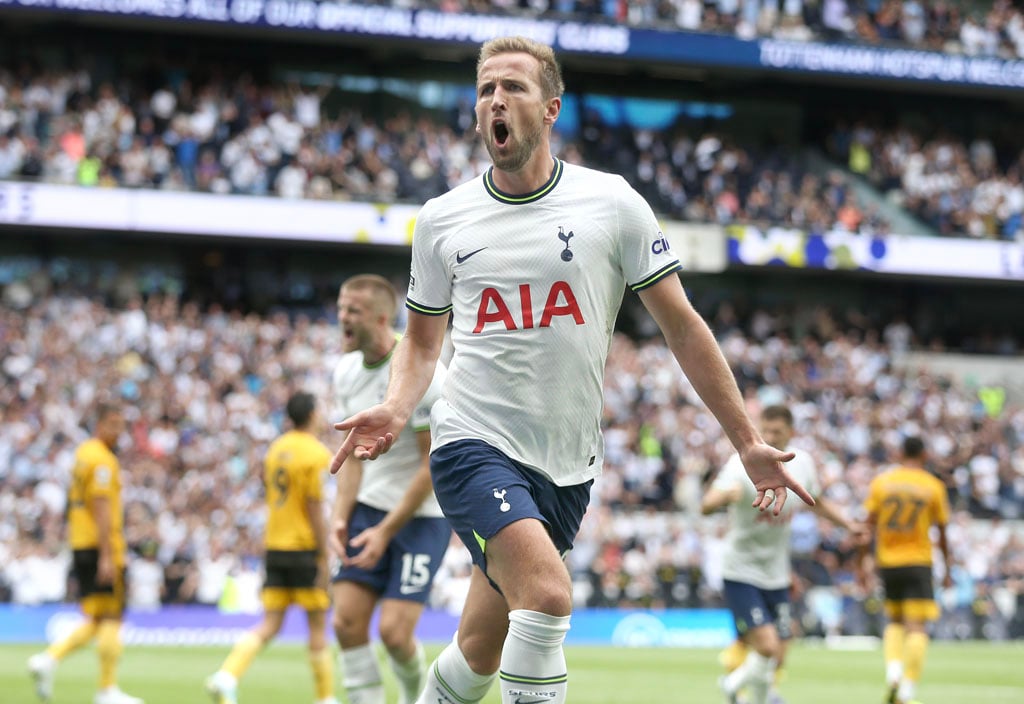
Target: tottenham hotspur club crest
[[566, 253], [500, 496]]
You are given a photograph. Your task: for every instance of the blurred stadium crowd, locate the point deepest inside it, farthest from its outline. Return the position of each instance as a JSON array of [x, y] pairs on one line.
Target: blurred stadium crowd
[[234, 135], [951, 26], [206, 390]]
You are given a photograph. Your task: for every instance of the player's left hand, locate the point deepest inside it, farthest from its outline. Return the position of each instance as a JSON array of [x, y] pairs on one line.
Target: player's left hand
[[373, 541], [764, 465]]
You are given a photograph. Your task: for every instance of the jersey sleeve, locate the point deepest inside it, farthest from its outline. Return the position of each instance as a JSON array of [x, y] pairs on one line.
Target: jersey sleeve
[[99, 475], [644, 254], [421, 414], [731, 476], [430, 290]]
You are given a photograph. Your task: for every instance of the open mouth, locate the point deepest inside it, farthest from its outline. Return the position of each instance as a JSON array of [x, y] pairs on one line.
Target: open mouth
[[500, 130]]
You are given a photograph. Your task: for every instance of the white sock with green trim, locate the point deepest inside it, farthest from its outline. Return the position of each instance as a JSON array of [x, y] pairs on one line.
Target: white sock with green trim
[[532, 660], [360, 675], [410, 675], [450, 680]]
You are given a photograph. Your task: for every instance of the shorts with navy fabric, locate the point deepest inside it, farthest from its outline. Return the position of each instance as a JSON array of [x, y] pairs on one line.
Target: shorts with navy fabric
[[753, 607], [481, 490], [406, 570]]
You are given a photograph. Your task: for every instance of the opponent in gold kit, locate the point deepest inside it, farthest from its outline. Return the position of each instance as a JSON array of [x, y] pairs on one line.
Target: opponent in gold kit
[[96, 534], [903, 504], [296, 559]]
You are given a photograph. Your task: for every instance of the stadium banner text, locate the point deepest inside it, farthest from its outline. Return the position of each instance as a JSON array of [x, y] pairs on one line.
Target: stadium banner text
[[206, 625], [694, 49], [890, 254]]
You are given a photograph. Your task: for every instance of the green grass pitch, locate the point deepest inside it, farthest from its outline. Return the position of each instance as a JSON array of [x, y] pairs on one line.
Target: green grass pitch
[[976, 673]]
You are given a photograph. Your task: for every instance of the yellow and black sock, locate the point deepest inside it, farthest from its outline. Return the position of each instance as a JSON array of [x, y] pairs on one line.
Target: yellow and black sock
[[323, 673], [916, 648], [242, 655], [74, 640], [108, 645]]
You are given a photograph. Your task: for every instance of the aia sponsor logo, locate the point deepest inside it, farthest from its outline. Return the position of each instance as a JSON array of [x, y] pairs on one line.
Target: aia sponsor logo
[[493, 308]]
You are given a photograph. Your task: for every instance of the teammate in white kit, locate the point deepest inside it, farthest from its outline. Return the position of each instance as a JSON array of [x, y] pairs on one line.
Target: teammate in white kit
[[757, 559], [386, 525], [531, 261]]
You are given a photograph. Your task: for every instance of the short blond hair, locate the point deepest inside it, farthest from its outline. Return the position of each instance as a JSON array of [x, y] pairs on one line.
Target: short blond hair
[[551, 84], [385, 298]]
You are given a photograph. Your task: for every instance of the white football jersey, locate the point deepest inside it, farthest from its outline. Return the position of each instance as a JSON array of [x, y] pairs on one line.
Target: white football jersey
[[385, 479], [757, 545], [534, 283]]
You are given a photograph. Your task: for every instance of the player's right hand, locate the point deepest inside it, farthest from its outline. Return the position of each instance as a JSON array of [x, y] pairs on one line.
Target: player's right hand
[[371, 433], [337, 538]]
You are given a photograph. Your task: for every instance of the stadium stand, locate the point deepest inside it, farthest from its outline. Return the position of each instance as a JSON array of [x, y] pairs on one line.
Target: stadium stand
[[207, 383], [207, 388]]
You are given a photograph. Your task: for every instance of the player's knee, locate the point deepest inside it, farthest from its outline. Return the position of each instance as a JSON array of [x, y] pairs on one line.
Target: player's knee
[[765, 641], [396, 634], [349, 629], [551, 595]]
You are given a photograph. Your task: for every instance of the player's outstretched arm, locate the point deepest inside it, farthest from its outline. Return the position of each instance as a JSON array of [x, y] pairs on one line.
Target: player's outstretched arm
[[372, 432], [697, 352]]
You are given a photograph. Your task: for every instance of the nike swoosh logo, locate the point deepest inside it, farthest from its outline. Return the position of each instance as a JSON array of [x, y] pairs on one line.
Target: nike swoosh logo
[[530, 701], [459, 258], [409, 590]]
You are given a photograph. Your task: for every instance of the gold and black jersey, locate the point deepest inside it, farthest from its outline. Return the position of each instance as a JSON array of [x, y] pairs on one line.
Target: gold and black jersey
[[97, 474], [292, 474]]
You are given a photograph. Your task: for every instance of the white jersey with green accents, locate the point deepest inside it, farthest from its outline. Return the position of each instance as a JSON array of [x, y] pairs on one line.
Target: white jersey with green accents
[[534, 283], [385, 479], [757, 545]]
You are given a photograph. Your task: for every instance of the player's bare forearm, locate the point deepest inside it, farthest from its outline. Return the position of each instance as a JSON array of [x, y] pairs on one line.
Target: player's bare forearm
[[414, 362], [315, 513], [944, 548], [864, 549], [826, 510], [349, 479], [716, 499], [416, 493], [697, 352], [101, 515]]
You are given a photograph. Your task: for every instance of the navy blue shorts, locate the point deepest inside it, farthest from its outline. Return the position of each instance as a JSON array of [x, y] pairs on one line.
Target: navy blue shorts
[[481, 490], [752, 607], [407, 568]]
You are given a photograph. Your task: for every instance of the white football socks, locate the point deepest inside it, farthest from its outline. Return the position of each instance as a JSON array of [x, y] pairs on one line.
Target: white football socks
[[450, 679], [361, 675], [532, 660], [410, 675], [756, 674]]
